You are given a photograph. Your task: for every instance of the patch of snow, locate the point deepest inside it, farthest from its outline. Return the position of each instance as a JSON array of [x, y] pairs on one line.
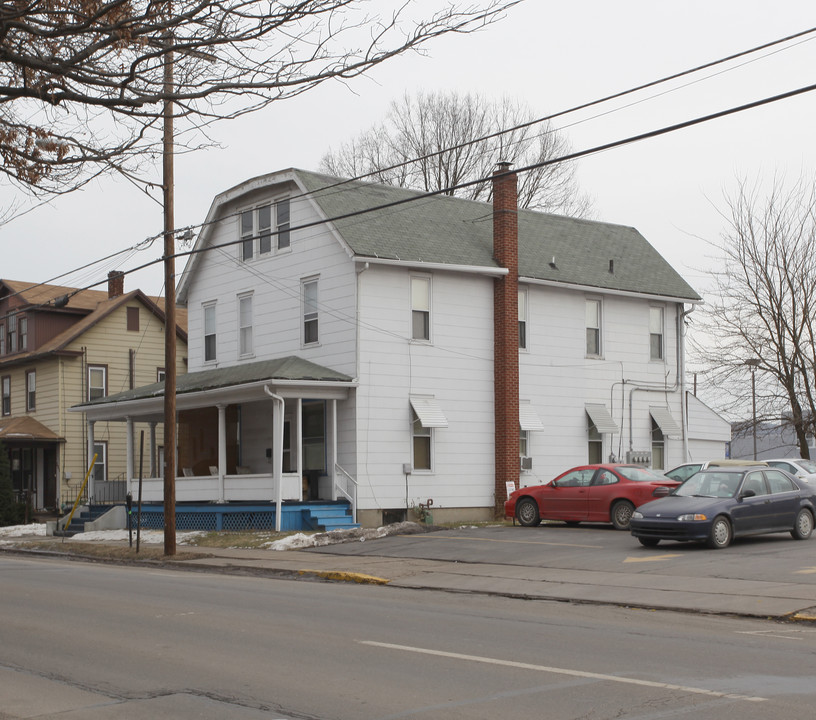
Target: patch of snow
[[31, 530], [148, 537]]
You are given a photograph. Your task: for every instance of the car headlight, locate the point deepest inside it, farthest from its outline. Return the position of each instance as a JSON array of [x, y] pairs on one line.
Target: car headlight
[[637, 515], [691, 517]]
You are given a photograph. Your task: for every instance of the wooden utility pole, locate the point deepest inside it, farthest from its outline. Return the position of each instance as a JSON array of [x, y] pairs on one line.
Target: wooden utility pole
[[169, 315]]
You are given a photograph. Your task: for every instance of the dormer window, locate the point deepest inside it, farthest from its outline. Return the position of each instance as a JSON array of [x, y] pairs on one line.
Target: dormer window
[[258, 226], [11, 337], [22, 333]]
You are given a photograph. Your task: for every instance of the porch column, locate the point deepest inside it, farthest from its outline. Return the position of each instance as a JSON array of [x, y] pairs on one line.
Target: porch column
[[222, 450], [333, 450], [90, 457], [129, 451], [153, 472]]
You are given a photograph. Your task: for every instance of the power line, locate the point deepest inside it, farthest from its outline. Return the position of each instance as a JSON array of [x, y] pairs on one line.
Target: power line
[[452, 188]]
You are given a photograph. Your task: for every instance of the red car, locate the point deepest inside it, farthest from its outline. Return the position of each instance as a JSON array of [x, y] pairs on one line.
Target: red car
[[589, 493]]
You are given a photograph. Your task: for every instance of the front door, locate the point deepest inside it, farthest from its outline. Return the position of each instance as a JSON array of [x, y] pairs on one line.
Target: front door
[[314, 449]]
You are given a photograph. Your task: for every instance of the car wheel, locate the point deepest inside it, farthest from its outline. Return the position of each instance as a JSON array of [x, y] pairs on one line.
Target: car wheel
[[720, 535], [648, 542], [621, 514], [527, 512], [803, 527]]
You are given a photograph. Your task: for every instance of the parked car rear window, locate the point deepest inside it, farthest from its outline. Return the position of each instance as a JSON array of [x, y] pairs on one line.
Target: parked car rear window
[[639, 474]]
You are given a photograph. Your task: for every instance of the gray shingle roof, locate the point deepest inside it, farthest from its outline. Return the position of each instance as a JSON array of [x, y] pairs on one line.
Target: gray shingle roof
[[287, 368], [449, 230]]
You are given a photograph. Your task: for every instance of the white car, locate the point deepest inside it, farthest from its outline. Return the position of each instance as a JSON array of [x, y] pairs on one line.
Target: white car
[[803, 469]]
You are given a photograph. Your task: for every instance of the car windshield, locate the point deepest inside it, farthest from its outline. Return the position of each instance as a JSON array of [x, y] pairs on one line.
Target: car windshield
[[639, 474], [807, 465], [710, 484]]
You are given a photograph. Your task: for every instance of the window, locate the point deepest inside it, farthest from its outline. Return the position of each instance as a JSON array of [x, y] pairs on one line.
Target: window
[[2, 339], [97, 382], [778, 482], [209, 332], [22, 333], [160, 374], [247, 235], [100, 469], [245, 324], [257, 223], [658, 446], [524, 438], [11, 336], [31, 390], [656, 333], [421, 437], [522, 317], [593, 327], [595, 443], [6, 382], [282, 215], [133, 319], [420, 308], [310, 330]]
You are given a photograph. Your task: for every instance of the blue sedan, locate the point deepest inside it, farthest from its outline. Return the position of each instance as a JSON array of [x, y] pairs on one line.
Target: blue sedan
[[714, 506]]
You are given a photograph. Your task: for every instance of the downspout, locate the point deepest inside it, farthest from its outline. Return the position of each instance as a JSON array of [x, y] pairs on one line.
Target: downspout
[[277, 456], [681, 339]]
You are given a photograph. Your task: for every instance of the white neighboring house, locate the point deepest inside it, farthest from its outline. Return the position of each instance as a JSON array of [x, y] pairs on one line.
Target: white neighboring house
[[431, 350]]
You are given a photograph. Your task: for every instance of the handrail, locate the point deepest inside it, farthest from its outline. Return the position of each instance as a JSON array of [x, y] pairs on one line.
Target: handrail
[[79, 494], [351, 497]]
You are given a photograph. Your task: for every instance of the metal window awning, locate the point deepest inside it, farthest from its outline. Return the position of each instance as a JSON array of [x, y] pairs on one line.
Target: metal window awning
[[600, 416], [528, 417], [665, 421], [428, 411]]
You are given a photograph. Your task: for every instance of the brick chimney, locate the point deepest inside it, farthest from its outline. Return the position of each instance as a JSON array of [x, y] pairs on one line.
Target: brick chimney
[[505, 332], [116, 284]]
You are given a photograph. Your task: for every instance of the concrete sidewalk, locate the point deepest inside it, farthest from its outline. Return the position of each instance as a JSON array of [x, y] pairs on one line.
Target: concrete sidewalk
[[691, 588], [751, 598]]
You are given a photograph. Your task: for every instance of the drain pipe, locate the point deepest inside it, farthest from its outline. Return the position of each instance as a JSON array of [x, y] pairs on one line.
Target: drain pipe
[[277, 453]]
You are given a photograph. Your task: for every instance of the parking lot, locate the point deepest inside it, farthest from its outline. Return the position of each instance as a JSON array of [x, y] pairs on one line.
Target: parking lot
[[598, 547]]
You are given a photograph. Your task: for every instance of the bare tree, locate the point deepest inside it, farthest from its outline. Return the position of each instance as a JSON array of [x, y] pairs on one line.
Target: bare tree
[[440, 129], [763, 316], [82, 83]]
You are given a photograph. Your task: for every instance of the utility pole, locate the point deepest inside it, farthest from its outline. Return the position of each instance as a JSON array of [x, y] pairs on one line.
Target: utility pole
[[169, 313]]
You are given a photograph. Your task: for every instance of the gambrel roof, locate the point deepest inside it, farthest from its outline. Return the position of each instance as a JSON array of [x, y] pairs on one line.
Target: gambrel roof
[[408, 227]]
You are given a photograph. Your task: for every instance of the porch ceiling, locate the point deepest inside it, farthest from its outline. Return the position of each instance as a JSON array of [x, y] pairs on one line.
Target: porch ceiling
[[290, 377]]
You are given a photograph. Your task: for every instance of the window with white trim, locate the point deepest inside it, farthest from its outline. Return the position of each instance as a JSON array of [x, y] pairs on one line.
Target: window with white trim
[[656, 333], [522, 318], [658, 447], [422, 438], [257, 229], [97, 382], [100, 469], [209, 333], [245, 324], [420, 308], [593, 327], [31, 390], [594, 443], [310, 318], [524, 442]]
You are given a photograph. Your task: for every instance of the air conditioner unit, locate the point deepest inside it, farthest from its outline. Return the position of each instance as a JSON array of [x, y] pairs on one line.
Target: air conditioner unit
[[526, 463]]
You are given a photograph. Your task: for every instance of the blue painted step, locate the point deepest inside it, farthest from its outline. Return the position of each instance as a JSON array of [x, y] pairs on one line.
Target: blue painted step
[[326, 517], [81, 517]]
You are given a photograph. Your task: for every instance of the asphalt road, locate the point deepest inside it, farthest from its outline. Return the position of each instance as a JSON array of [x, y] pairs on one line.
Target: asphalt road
[[100, 642]]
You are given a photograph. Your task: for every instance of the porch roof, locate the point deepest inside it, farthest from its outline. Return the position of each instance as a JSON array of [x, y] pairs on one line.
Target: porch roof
[[289, 377], [26, 428]]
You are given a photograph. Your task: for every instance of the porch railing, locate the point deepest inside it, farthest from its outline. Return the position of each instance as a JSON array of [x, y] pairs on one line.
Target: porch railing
[[347, 487]]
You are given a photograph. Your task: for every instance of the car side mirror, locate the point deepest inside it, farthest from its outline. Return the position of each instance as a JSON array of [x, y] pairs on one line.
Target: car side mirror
[[554, 484], [747, 494]]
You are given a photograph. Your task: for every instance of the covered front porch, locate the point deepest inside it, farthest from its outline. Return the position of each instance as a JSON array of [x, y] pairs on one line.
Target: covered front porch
[[260, 433]]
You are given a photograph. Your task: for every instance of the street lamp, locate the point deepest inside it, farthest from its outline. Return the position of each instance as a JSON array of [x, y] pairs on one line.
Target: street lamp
[[753, 363]]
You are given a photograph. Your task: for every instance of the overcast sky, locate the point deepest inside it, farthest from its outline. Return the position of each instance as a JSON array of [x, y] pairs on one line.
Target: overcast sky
[[552, 56]]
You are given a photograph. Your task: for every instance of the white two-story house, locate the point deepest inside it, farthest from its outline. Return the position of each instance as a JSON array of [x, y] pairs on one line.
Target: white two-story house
[[355, 340]]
